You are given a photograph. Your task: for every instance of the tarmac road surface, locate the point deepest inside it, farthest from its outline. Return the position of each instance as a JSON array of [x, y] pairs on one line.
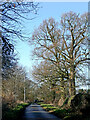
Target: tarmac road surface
[[36, 112]]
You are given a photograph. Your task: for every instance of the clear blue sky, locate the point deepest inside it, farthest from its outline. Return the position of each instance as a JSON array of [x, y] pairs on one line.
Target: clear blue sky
[[49, 9]]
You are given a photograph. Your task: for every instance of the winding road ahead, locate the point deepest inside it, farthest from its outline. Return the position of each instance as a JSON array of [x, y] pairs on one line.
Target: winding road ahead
[[36, 112]]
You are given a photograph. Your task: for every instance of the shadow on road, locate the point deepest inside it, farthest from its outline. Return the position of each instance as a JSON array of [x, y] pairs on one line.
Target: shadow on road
[[36, 112]]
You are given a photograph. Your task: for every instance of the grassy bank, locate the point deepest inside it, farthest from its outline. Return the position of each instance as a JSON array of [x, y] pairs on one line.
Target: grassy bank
[[14, 113], [64, 114]]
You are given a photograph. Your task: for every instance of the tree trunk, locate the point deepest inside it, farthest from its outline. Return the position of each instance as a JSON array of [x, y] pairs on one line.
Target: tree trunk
[[73, 87], [53, 93], [72, 90], [63, 94]]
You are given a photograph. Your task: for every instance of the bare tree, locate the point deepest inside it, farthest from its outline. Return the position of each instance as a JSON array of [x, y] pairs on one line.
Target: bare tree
[[63, 44], [74, 36], [13, 14]]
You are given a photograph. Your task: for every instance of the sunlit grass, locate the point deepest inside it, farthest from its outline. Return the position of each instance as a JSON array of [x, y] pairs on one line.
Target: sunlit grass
[[49, 107], [64, 114]]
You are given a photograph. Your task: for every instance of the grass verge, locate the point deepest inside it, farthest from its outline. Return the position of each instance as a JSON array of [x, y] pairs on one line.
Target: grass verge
[[14, 113], [64, 114]]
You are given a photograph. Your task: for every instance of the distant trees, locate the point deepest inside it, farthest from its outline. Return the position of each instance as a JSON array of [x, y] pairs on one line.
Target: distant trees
[[47, 75], [13, 87], [64, 45]]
